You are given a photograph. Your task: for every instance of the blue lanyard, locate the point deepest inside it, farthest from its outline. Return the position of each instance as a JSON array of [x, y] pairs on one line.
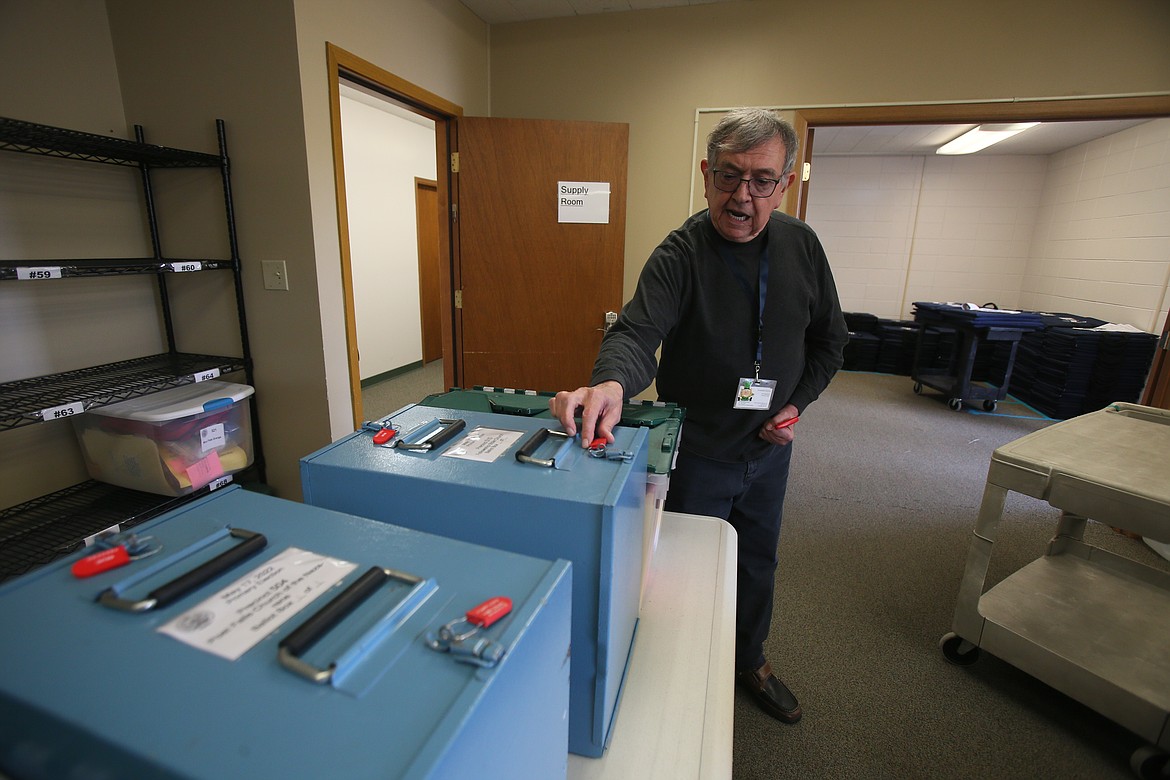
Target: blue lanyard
[[763, 287]]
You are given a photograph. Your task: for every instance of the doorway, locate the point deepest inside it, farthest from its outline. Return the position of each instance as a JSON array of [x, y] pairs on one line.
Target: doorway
[[1090, 109], [343, 66]]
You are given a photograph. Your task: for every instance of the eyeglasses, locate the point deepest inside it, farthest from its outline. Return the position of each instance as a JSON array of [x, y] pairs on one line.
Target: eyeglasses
[[758, 187]]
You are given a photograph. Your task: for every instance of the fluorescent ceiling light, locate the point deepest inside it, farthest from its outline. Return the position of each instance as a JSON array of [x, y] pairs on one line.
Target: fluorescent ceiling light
[[982, 137]]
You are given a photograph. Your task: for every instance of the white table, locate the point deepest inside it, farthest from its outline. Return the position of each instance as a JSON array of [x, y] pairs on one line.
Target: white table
[[674, 719]]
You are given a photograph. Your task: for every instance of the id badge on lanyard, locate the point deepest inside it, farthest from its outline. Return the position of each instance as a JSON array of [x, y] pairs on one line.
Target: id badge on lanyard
[[752, 392]]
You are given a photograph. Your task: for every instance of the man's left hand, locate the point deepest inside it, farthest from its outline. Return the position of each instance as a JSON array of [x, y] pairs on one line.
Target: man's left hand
[[780, 436]]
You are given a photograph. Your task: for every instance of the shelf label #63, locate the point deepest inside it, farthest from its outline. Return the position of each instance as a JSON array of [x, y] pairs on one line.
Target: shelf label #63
[[61, 412]]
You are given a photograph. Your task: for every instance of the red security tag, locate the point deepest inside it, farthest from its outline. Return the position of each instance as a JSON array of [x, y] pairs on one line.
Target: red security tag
[[490, 611], [384, 435], [101, 561], [597, 443]]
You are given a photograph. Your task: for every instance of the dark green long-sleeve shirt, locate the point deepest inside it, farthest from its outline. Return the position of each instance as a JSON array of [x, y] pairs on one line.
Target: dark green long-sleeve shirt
[[704, 313]]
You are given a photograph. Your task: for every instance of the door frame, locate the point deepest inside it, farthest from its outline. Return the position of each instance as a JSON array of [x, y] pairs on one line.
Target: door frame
[[342, 64]]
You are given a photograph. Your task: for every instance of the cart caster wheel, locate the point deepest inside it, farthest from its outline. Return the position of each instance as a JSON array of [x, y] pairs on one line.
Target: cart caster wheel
[[955, 404], [917, 388], [958, 650], [989, 406], [1150, 763]]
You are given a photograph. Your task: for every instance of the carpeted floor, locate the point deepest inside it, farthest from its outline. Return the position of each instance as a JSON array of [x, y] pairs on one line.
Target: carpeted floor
[[881, 504], [383, 398]]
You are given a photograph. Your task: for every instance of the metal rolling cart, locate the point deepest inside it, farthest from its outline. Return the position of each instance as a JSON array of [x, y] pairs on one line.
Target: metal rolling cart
[[955, 382], [1092, 624], [975, 326]]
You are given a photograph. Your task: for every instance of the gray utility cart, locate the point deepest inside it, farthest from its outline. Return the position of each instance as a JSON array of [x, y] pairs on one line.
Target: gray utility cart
[[1088, 622]]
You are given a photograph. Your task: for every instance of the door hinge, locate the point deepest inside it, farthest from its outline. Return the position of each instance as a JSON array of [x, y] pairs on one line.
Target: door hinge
[[806, 172], [458, 299], [454, 162], [454, 212]]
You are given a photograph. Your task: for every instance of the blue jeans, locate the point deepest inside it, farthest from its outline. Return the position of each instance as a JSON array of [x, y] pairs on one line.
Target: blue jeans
[[749, 496]]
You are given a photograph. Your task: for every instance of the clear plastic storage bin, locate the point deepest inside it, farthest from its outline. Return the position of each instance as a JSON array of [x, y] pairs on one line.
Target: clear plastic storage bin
[[172, 442]]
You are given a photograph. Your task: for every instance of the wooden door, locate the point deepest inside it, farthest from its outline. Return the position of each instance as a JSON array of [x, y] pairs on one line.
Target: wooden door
[[426, 207], [534, 291]]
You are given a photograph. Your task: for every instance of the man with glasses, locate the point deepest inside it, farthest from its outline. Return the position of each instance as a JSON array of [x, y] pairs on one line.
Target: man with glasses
[[742, 302]]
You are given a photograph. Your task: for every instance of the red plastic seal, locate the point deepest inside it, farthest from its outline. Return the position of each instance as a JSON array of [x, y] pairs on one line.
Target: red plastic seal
[[101, 561], [490, 611]]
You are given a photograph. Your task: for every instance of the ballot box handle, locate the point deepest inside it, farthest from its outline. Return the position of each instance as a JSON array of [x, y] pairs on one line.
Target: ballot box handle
[[182, 585], [527, 453], [431, 436], [318, 624]]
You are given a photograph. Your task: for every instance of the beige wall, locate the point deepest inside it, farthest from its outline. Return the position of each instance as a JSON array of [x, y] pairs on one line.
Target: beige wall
[[654, 68], [260, 65]]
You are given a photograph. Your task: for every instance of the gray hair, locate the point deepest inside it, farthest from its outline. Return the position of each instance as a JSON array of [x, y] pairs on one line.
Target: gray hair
[[746, 128]]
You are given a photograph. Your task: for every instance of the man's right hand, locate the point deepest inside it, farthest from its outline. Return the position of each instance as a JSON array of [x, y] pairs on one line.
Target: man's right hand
[[600, 407]]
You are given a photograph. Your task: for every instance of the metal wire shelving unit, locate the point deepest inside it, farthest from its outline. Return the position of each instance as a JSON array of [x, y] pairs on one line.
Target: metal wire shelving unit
[[40, 530]]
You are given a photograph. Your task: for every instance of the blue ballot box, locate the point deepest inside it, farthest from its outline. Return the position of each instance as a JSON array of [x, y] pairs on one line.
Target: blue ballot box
[[260, 638], [513, 483]]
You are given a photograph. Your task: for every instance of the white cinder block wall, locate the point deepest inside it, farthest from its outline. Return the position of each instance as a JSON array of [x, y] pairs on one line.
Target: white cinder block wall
[[1102, 241], [1085, 231]]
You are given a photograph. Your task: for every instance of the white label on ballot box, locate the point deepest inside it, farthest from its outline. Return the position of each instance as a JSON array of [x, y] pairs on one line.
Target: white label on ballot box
[[232, 621], [483, 444]]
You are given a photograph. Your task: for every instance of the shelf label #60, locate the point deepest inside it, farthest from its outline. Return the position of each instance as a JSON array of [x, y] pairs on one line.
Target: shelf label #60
[[61, 412], [190, 265], [48, 272]]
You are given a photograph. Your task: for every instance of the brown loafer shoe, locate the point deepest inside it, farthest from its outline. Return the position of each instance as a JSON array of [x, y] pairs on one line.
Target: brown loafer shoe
[[772, 695]]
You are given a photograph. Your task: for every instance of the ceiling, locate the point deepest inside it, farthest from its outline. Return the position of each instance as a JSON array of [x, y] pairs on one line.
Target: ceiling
[[888, 140], [503, 11]]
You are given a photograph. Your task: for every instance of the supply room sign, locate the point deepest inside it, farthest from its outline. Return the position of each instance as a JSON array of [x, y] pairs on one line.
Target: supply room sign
[[583, 202]]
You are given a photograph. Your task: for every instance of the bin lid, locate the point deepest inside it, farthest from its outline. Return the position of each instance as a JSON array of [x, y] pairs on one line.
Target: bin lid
[[177, 402]]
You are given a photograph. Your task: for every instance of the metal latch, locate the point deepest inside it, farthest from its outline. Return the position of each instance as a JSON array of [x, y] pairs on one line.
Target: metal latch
[[459, 636]]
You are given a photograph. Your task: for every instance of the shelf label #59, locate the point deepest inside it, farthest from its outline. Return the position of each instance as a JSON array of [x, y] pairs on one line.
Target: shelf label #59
[[47, 272]]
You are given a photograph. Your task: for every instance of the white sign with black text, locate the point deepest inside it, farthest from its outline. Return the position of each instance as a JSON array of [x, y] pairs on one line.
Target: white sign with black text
[[583, 202]]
